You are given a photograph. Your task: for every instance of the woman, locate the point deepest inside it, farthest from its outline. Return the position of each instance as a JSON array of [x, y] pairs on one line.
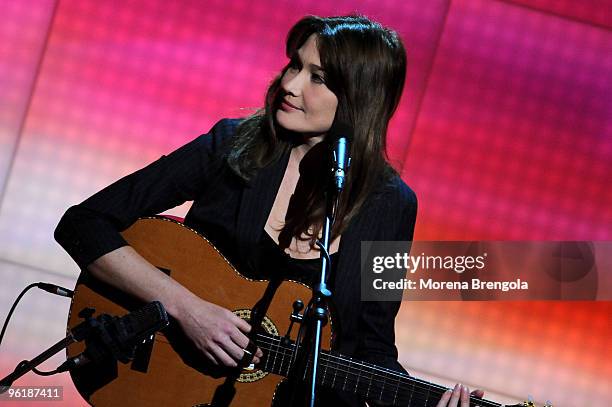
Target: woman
[[258, 187]]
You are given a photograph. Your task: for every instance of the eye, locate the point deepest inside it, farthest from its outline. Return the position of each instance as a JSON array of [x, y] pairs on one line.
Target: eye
[[317, 78]]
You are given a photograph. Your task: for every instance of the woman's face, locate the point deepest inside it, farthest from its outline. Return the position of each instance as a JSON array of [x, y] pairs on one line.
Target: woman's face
[[307, 105]]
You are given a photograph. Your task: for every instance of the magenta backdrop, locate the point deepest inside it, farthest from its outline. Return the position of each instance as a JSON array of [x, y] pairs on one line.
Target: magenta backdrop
[[504, 132]]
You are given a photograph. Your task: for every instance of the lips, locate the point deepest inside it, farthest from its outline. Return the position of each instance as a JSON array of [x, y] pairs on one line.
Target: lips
[[286, 105]]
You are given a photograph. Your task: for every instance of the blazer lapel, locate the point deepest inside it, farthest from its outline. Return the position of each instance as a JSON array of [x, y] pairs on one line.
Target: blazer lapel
[[257, 200]]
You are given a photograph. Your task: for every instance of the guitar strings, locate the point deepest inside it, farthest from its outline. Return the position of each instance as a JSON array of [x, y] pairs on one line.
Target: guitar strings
[[396, 376], [423, 390], [390, 379], [431, 390]]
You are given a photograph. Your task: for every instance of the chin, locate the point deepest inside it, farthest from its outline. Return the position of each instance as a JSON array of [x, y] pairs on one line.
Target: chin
[[290, 122], [286, 122]]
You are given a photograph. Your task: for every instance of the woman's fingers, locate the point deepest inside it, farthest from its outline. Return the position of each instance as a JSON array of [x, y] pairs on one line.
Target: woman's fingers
[[452, 398], [465, 396], [241, 324], [242, 341], [221, 356], [218, 333], [445, 397], [210, 357], [478, 393], [235, 351]]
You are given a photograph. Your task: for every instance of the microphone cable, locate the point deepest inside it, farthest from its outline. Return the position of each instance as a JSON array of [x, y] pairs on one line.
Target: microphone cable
[[51, 288]]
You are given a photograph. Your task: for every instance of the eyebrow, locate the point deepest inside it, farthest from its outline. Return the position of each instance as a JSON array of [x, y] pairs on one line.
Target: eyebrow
[[313, 67]]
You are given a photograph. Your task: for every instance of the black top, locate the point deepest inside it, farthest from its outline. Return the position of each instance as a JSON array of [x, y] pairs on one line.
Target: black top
[[270, 258], [232, 214]]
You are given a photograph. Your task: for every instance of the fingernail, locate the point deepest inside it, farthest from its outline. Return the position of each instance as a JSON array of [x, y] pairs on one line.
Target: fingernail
[[457, 387]]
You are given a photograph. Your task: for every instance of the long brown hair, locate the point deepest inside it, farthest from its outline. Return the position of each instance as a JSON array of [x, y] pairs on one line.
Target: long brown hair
[[365, 65]]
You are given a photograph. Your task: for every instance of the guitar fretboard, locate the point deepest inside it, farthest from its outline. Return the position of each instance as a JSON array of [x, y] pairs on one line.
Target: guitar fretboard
[[366, 379]]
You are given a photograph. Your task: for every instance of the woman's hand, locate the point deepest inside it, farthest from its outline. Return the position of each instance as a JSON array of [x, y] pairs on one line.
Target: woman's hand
[[461, 394], [216, 331]]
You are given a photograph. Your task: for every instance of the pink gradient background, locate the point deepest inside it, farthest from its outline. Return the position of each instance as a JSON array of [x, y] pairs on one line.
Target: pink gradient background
[[504, 132]]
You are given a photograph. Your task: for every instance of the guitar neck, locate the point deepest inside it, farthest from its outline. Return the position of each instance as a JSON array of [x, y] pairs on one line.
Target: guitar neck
[[366, 379]]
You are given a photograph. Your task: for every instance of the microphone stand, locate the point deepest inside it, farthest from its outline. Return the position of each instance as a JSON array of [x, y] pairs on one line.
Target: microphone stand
[[79, 333], [308, 346], [318, 315]]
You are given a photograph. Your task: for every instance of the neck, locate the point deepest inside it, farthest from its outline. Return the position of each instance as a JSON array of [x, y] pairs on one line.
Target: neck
[[311, 141], [308, 142]]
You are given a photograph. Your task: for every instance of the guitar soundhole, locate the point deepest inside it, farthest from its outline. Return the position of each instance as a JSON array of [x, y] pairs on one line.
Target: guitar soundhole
[[249, 374]]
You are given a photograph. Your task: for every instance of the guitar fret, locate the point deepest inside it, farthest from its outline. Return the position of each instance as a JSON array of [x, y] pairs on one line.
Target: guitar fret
[[274, 360], [357, 382], [396, 391], [289, 360], [371, 374], [369, 385], [282, 361], [355, 370], [267, 359], [334, 380], [288, 369], [382, 389], [278, 349], [324, 370], [411, 394]]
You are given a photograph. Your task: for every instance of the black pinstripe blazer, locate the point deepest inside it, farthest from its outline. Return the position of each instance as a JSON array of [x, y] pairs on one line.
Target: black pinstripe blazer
[[232, 214]]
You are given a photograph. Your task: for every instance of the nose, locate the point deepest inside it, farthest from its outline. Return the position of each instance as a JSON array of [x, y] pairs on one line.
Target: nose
[[293, 83]]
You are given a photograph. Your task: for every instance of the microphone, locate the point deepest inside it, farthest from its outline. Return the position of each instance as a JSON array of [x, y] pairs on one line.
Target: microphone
[[116, 337], [341, 135]]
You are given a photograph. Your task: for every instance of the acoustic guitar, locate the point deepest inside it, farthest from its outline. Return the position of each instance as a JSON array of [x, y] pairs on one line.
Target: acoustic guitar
[[168, 371]]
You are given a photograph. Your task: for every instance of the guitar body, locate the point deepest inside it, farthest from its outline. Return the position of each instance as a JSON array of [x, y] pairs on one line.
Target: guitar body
[[173, 372], [169, 371]]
